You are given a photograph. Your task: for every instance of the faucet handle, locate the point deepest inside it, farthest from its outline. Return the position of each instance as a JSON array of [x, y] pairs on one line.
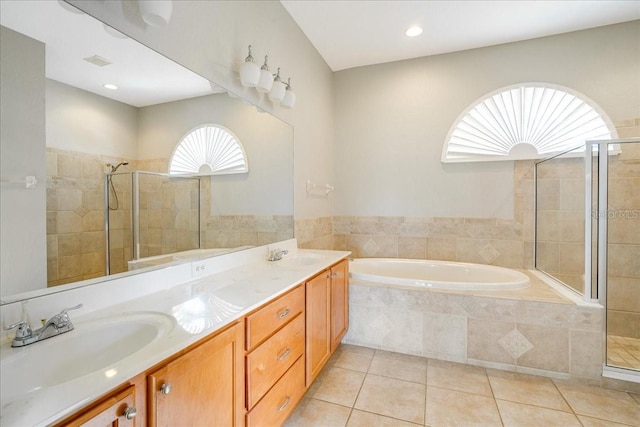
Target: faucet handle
[[24, 329], [62, 318], [66, 310]]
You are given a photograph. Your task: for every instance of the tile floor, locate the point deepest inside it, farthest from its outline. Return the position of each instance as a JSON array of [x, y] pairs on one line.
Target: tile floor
[[365, 387], [623, 352]]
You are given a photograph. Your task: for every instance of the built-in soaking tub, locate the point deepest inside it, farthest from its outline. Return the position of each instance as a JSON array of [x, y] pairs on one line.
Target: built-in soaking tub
[[436, 274], [475, 314]]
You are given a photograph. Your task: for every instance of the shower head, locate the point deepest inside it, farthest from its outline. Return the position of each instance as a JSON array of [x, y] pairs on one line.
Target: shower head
[[115, 168]]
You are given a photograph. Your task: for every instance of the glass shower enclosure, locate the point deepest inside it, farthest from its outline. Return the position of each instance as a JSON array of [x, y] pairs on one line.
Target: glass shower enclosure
[[149, 214], [587, 236]]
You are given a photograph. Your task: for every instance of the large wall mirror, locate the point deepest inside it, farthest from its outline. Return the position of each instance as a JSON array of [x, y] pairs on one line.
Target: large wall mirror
[[110, 205]]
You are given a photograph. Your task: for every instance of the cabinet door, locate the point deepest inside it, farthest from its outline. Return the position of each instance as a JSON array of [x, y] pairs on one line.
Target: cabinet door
[[318, 343], [339, 302], [117, 410], [204, 386]]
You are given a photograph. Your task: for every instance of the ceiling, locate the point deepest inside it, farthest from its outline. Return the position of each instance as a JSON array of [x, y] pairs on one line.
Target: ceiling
[[356, 33], [143, 76]]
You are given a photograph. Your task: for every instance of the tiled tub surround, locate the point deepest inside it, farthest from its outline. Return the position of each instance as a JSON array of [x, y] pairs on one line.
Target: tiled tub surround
[[532, 330], [239, 282]]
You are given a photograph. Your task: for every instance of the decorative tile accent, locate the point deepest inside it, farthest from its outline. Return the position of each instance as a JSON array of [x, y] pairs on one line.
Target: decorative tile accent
[[489, 253], [371, 248], [515, 343]]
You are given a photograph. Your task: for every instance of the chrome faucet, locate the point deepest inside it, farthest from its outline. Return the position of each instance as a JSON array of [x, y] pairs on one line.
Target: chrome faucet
[[58, 324], [277, 254]]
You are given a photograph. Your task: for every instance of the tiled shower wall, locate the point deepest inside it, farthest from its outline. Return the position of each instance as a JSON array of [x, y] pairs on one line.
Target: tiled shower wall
[[623, 287], [75, 216]]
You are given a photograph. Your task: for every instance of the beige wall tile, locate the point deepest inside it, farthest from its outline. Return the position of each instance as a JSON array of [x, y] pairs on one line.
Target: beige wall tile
[[571, 258], [623, 260], [69, 244], [623, 323], [68, 222], [548, 194], [483, 337], [52, 246], [412, 247], [550, 348], [69, 165], [444, 335], [93, 263], [69, 266], [586, 357], [441, 248], [623, 294], [93, 221]]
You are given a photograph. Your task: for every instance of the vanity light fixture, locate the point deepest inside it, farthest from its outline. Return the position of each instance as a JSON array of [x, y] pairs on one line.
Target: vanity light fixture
[[263, 81], [278, 90], [289, 96], [110, 86], [266, 78], [249, 71], [156, 13], [413, 31]]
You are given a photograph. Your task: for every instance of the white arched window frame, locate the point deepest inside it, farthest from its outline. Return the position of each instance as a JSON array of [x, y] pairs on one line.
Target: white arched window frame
[[525, 121], [208, 149]]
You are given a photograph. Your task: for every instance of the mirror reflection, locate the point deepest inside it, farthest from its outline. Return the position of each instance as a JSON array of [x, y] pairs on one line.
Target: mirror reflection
[[111, 204]]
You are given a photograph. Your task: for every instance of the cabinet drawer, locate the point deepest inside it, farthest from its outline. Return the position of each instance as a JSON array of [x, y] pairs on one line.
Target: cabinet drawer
[[276, 406], [267, 363], [271, 317]]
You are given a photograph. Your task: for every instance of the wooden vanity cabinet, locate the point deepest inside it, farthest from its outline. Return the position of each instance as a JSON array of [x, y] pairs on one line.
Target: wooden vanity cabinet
[[117, 410], [275, 359], [327, 310], [339, 302], [204, 386]]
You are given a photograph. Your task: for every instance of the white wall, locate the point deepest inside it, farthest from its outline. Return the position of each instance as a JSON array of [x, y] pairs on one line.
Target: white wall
[[391, 119], [22, 153], [268, 144], [82, 121], [211, 38]]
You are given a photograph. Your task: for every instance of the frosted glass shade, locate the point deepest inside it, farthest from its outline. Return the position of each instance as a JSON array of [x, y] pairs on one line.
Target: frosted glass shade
[[277, 91], [249, 74], [156, 12], [289, 99], [266, 81]]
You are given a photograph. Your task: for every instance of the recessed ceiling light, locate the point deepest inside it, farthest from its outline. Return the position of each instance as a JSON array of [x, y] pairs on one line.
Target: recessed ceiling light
[[110, 86], [413, 31]]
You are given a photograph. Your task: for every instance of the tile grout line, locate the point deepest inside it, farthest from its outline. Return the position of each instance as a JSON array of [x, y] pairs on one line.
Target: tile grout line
[[493, 395]]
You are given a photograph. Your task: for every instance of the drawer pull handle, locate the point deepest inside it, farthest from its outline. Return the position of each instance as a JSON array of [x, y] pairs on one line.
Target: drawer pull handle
[[284, 314], [130, 413], [335, 275], [165, 389], [285, 404], [285, 354]]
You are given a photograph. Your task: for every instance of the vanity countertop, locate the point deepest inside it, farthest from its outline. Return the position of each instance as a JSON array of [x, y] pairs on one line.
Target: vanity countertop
[[189, 312]]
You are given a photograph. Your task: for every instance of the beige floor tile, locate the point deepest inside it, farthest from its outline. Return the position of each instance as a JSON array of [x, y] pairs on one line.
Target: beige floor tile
[[392, 397], [455, 408], [528, 389], [337, 385], [367, 419], [352, 357], [635, 396], [312, 413], [517, 414], [594, 422], [399, 366], [456, 376], [602, 403]]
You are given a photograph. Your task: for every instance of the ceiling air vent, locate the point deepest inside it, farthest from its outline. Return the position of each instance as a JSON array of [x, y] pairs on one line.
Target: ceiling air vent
[[98, 60]]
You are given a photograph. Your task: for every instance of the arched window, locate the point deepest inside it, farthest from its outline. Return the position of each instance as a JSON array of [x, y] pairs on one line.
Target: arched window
[[209, 150], [526, 121]]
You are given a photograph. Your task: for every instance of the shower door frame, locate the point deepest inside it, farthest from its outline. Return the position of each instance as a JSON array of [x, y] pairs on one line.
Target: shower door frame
[[597, 292]]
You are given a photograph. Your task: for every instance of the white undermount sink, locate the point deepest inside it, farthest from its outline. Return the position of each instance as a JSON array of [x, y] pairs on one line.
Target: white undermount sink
[[93, 346]]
